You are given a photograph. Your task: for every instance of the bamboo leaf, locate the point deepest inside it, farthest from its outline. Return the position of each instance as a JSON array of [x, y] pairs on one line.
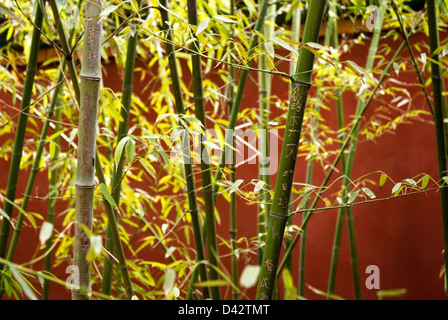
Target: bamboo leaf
[[249, 276], [107, 195], [258, 186], [352, 196], [383, 179], [425, 181], [235, 185], [24, 284], [96, 244], [109, 9], [316, 46], [284, 44], [390, 293], [355, 68], [211, 283], [202, 26], [46, 230], [119, 149], [305, 198], [168, 283], [130, 150], [396, 188], [369, 193], [224, 19]]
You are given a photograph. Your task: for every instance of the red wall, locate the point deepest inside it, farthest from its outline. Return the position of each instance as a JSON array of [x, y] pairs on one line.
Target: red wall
[[403, 236]]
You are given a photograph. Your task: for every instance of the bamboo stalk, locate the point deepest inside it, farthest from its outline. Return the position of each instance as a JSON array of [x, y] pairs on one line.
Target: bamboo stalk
[[232, 167], [342, 148], [53, 184], [123, 127], [85, 171], [309, 178], [191, 191], [263, 134], [347, 170], [438, 121], [16, 157], [299, 95]]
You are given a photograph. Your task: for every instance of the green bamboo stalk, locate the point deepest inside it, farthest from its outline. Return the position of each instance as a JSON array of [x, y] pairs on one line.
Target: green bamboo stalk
[[207, 187], [309, 178], [232, 167], [347, 170], [85, 171], [279, 211], [438, 120], [264, 92], [191, 191], [342, 148], [53, 182], [16, 157], [123, 127], [264, 4], [35, 165]]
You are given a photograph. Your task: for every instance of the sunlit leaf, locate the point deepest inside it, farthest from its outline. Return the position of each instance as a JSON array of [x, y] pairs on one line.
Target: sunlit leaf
[[249, 276]]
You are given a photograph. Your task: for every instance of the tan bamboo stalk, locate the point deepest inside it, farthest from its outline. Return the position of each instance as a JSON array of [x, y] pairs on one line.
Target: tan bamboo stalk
[[85, 171]]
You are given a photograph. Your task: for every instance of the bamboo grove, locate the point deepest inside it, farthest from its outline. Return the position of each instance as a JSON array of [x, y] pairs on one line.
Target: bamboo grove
[[123, 135]]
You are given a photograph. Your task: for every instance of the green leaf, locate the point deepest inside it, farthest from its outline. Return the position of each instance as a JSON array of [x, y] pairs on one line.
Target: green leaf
[[316, 46], [383, 179], [202, 25], [284, 44], [224, 19], [411, 182], [352, 196], [369, 193], [96, 244], [269, 48], [119, 149], [249, 276], [235, 185], [425, 181], [24, 284], [396, 188], [305, 198], [290, 289], [355, 68], [109, 9], [46, 230], [211, 283], [390, 293], [445, 179], [259, 185], [130, 150], [168, 283], [107, 195]]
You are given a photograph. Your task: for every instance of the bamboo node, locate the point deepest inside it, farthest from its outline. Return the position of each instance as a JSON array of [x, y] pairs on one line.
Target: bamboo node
[[279, 216], [79, 186]]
